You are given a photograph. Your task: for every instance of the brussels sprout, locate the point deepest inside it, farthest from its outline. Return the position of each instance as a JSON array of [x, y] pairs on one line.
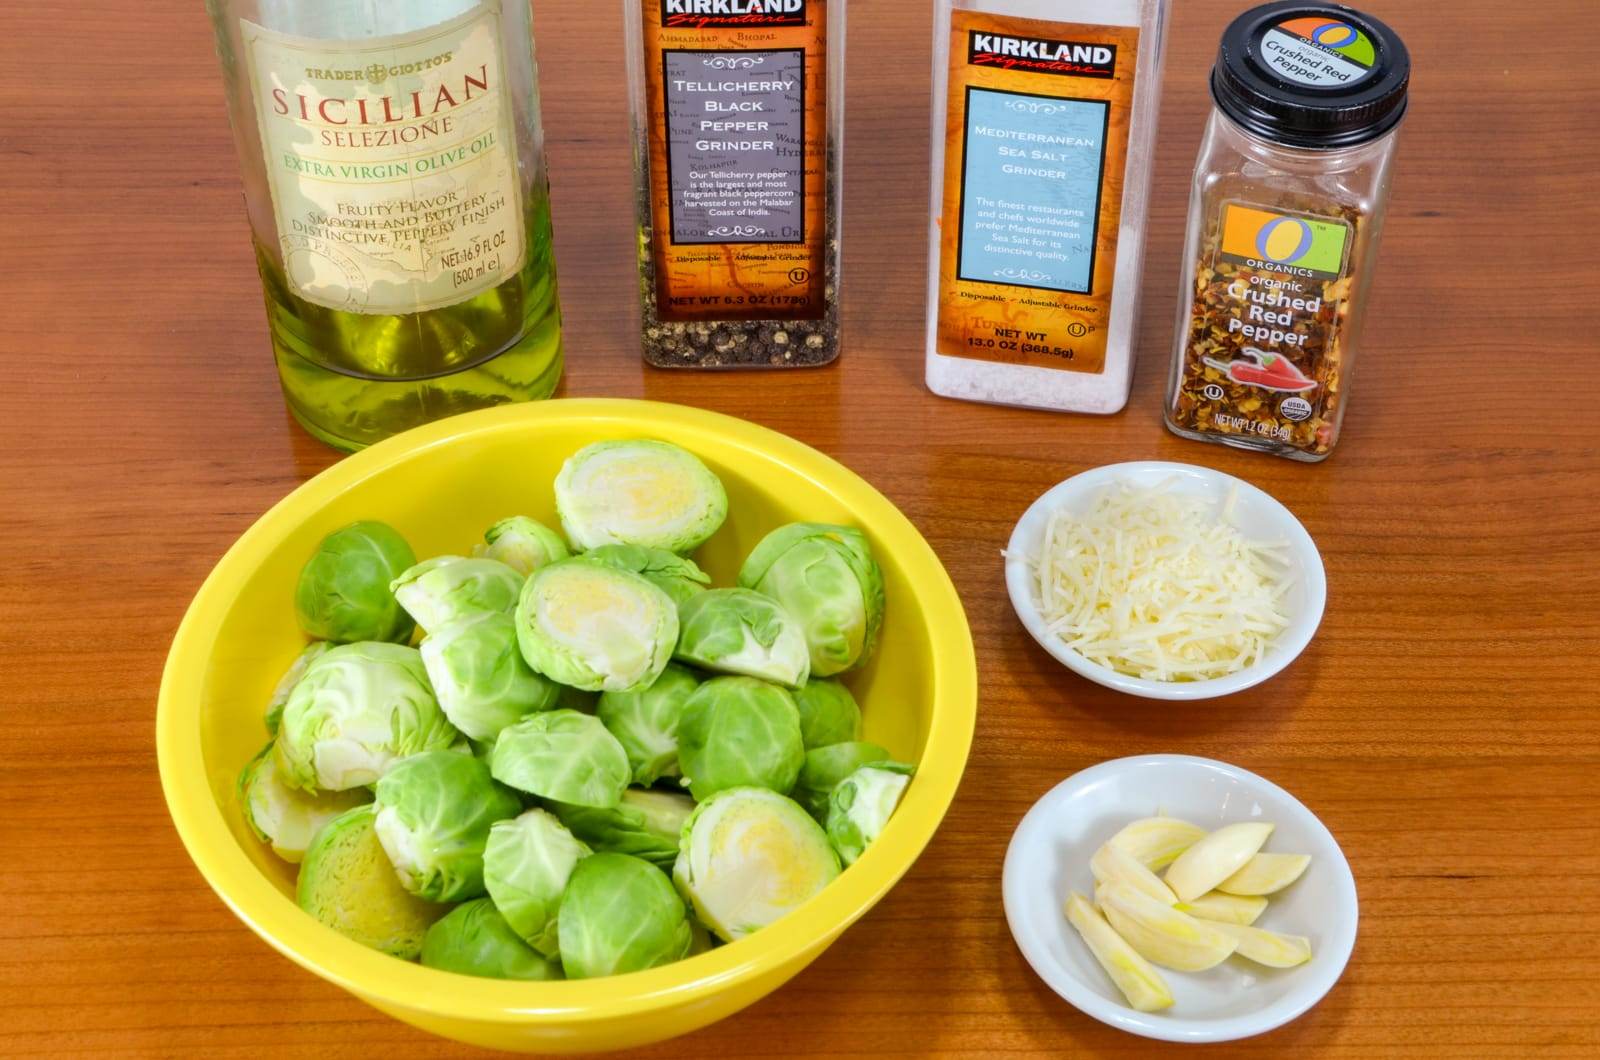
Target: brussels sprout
[[736, 732], [434, 813], [639, 492], [828, 712], [678, 576], [440, 590], [286, 818], [646, 824], [825, 767], [347, 883], [739, 631], [595, 627], [291, 677], [826, 577], [522, 544], [749, 856], [700, 940], [646, 722], [358, 708], [478, 673], [620, 914], [474, 939], [862, 804], [343, 594], [562, 755], [526, 866]]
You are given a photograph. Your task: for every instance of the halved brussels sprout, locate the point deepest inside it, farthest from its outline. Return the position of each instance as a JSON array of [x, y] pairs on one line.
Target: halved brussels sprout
[[358, 708], [291, 677], [678, 576], [862, 804], [740, 631], [474, 939], [434, 814], [639, 492], [440, 590], [480, 677], [646, 824], [286, 818], [828, 713], [522, 544], [595, 627], [620, 914], [646, 722], [526, 866], [825, 767], [749, 856], [738, 732], [344, 595], [346, 882], [826, 577], [562, 755]]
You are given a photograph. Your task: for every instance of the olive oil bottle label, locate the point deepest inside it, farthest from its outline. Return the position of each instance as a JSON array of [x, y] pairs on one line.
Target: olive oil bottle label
[[736, 93], [391, 162], [1036, 141]]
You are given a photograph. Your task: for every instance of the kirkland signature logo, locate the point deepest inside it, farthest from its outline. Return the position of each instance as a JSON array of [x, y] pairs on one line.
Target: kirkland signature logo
[[699, 14], [1040, 56]]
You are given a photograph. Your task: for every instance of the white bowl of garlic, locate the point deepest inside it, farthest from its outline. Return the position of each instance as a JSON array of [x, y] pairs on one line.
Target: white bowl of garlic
[[1196, 963], [1165, 580]]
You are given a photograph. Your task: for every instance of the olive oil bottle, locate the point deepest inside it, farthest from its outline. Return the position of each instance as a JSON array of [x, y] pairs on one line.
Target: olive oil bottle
[[394, 175]]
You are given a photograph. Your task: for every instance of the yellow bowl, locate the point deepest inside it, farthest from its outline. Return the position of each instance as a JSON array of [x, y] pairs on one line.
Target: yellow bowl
[[441, 485]]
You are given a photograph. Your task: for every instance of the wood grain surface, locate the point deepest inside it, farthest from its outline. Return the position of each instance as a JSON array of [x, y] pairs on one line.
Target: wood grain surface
[[1445, 723]]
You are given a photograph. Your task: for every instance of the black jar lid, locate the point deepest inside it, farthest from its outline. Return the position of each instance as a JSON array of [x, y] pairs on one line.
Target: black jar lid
[[1311, 75]]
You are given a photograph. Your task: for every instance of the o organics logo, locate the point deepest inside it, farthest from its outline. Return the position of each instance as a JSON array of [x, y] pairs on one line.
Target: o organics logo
[[1333, 36], [1297, 246], [1284, 239]]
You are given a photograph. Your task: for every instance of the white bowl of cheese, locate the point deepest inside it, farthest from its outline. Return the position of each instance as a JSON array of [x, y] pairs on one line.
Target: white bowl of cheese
[[1165, 580]]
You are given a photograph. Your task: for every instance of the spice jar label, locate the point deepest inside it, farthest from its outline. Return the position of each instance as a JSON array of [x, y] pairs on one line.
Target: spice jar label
[[1320, 51], [1036, 141], [736, 96], [1262, 358]]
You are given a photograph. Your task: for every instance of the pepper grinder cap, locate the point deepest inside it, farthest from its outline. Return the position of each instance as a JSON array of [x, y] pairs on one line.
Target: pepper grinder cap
[[1319, 76]]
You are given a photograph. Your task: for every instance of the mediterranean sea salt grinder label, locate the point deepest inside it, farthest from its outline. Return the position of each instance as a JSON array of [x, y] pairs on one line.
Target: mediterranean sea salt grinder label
[[1036, 143], [391, 162]]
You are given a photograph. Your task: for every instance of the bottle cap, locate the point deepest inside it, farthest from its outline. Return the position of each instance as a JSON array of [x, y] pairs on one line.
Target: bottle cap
[[1311, 75]]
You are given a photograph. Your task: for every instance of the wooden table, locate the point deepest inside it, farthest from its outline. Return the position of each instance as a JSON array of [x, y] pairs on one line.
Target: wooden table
[[1445, 723]]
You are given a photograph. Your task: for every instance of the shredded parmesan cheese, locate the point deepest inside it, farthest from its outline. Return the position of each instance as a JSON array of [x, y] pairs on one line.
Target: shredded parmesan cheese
[[1162, 586]]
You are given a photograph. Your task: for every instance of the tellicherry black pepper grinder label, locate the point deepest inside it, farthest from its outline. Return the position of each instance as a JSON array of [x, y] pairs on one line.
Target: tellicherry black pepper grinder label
[[738, 243]]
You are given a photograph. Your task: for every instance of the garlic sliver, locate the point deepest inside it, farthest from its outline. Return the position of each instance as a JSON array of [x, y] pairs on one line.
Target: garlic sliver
[[1161, 934], [1216, 857], [1141, 984], [1156, 841], [1112, 863], [1224, 908], [1269, 947], [1266, 874]]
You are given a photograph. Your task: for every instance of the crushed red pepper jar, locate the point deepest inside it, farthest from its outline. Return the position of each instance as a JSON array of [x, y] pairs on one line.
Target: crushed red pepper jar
[[1284, 215]]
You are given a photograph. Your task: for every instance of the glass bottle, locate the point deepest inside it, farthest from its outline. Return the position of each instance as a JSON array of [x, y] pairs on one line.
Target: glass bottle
[[1044, 124], [738, 140], [394, 176], [1285, 213]]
